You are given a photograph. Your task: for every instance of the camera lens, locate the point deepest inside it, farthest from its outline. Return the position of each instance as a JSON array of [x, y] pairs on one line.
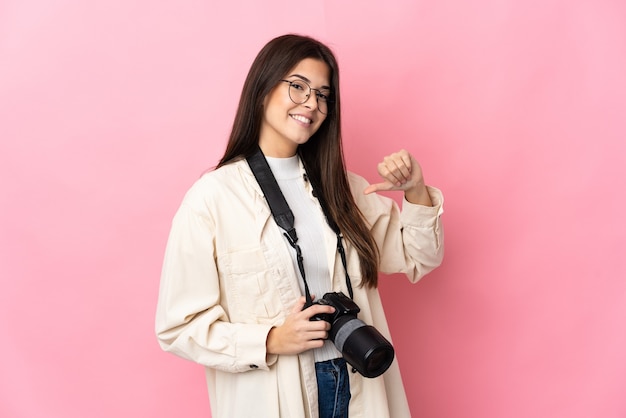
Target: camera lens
[[368, 351], [378, 360], [362, 346]]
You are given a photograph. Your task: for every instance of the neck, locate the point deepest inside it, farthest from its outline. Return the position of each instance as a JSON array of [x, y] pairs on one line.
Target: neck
[[277, 150]]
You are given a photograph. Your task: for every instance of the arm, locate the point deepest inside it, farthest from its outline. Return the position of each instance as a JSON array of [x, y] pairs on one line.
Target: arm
[[412, 241], [190, 322], [193, 318]]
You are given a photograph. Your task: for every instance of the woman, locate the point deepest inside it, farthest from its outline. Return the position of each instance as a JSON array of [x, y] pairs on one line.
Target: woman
[[231, 295]]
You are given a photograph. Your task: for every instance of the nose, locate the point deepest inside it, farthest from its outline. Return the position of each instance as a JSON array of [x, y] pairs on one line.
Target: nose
[[311, 104]]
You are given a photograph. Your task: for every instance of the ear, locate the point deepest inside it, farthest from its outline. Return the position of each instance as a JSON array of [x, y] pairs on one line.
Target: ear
[[265, 99]]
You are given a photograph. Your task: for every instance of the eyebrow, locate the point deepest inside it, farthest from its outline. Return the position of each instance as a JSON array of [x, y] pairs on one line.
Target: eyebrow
[[307, 80]]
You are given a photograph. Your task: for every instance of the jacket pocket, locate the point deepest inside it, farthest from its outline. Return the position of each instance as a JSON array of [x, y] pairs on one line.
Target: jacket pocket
[[250, 289]]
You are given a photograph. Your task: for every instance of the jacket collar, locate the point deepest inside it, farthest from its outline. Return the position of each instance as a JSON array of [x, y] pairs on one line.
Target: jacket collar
[[249, 177]]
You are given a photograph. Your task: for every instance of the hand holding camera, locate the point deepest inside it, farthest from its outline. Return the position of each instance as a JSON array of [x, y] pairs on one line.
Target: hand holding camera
[[360, 344], [298, 333], [334, 316]]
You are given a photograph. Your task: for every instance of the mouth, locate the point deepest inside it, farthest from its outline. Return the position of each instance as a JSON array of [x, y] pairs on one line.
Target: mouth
[[302, 119]]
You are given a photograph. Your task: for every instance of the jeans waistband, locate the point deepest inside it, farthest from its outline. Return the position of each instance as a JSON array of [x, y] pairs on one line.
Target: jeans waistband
[[330, 364]]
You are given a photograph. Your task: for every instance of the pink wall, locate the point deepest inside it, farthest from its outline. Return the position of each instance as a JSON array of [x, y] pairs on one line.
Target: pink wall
[[517, 110]]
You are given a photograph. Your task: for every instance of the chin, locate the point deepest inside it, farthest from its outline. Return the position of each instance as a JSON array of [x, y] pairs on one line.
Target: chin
[[300, 141]]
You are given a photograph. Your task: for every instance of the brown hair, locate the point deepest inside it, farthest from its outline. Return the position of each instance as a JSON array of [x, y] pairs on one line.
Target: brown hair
[[322, 154]]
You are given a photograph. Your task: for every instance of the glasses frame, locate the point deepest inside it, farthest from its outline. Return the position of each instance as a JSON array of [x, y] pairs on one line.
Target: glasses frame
[[308, 95]]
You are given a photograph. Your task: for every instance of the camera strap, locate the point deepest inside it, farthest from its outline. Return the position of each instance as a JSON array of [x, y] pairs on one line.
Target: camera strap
[[284, 216]]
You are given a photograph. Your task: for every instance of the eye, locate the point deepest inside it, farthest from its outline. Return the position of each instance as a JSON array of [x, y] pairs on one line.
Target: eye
[[322, 96], [298, 85]]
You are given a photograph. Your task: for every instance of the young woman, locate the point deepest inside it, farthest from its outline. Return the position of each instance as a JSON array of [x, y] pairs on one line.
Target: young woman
[[232, 289]]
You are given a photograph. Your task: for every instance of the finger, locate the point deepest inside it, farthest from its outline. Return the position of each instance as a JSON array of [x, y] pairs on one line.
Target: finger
[[299, 305], [315, 343], [407, 166], [400, 169], [372, 188], [319, 335], [406, 159], [317, 326], [390, 171], [318, 309]]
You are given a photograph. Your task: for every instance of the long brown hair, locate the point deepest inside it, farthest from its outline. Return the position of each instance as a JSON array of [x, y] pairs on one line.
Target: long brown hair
[[322, 154]]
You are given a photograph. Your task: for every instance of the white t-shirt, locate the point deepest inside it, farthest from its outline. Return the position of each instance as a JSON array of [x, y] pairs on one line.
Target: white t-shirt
[[309, 224]]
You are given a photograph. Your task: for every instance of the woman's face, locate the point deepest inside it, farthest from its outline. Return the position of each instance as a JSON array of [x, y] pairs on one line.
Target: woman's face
[[285, 124]]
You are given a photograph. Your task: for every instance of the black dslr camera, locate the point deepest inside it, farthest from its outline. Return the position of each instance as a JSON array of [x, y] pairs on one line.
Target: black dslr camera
[[360, 344]]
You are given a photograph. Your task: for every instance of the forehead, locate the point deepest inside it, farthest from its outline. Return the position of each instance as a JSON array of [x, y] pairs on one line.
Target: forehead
[[315, 72]]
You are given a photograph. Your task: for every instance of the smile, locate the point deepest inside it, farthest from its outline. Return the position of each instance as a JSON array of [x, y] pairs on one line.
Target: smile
[[302, 119]]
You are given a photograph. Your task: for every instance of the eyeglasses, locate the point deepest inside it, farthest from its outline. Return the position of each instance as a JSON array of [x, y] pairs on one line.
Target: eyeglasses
[[299, 92]]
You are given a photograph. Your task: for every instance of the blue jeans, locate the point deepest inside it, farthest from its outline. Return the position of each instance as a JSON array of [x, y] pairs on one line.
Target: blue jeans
[[333, 390]]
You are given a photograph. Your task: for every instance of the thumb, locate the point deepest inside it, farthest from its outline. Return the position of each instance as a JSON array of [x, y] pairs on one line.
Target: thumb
[[372, 188], [299, 305]]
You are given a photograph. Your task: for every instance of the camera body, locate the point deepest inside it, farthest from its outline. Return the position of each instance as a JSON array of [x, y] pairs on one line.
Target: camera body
[[343, 306], [361, 345]]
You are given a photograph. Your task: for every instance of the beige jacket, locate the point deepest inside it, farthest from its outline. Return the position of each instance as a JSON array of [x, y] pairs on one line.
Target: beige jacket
[[228, 277]]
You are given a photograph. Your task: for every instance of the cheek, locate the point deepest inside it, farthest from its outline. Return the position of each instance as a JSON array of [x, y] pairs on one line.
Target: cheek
[[273, 108], [278, 106], [321, 122], [275, 101]]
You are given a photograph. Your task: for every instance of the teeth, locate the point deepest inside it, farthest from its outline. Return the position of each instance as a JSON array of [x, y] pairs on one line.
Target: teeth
[[301, 119]]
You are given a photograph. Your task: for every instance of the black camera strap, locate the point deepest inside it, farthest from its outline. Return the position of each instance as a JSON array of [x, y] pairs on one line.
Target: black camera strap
[[284, 216]]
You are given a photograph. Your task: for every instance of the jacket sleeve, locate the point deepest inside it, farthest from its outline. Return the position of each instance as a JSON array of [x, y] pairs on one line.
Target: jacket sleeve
[[410, 241], [190, 322]]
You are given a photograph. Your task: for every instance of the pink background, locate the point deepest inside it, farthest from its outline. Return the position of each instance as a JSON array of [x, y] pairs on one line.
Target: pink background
[[516, 109]]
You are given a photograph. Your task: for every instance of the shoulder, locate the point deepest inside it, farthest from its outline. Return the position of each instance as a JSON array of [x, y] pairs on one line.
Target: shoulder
[[370, 205], [220, 184], [357, 186], [356, 181]]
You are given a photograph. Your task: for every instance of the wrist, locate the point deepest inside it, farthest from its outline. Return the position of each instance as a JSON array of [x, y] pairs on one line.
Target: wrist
[[270, 342], [418, 195]]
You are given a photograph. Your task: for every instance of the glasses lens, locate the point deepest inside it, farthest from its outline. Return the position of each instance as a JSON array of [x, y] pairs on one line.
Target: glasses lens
[[299, 92], [322, 101]]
